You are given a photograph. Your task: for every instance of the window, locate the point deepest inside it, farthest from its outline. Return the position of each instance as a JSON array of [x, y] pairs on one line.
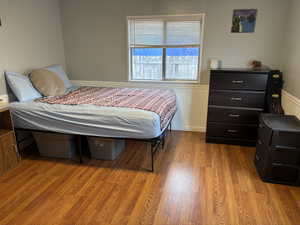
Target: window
[[165, 48]]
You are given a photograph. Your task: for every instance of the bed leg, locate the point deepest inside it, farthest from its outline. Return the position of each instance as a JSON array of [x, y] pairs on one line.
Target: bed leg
[[163, 142], [152, 157], [171, 127], [79, 147]]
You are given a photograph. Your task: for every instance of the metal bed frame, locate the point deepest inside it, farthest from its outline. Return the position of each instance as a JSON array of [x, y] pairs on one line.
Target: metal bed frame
[[155, 143]]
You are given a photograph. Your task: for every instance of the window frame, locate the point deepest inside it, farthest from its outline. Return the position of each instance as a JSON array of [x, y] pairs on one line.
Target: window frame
[[181, 17]]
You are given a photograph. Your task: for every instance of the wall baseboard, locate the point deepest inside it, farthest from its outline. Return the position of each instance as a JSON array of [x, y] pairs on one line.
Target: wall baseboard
[[290, 104], [194, 129], [192, 101]]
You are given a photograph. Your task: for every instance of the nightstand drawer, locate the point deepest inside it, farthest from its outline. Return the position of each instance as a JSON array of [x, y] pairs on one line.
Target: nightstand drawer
[[232, 131], [232, 115], [251, 99], [7, 138], [9, 156], [283, 155], [227, 81], [8, 152], [282, 173], [278, 136]]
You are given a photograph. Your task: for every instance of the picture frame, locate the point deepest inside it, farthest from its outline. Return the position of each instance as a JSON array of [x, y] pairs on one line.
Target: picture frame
[[244, 21]]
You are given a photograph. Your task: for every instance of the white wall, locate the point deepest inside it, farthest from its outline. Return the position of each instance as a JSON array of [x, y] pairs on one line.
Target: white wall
[[95, 33], [30, 36], [236, 50], [291, 56], [290, 104], [95, 36], [290, 61]]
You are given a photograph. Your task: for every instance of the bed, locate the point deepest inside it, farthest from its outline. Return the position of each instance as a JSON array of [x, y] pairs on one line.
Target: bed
[[86, 120], [122, 113]]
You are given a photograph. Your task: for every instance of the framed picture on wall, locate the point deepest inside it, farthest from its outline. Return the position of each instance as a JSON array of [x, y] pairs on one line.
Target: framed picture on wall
[[244, 20]]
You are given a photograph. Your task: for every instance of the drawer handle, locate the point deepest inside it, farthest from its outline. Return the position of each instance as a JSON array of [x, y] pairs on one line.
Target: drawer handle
[[232, 131], [236, 99], [234, 115], [257, 157], [237, 81], [285, 148], [286, 165]]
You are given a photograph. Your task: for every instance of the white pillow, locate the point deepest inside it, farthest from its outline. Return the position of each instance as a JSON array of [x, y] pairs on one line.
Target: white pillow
[[21, 86], [61, 73]]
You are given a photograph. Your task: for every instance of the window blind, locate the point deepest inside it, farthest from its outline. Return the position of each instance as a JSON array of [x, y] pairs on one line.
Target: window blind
[[147, 33], [183, 33], [165, 32]]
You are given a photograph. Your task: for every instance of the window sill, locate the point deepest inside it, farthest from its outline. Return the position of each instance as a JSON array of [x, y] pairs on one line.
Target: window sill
[[166, 81]]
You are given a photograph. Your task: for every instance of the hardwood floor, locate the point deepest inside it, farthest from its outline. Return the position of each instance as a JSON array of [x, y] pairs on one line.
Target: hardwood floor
[[194, 184]]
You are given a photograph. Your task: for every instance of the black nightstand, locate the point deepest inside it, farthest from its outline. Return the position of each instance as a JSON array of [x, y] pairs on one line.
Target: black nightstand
[[277, 156]]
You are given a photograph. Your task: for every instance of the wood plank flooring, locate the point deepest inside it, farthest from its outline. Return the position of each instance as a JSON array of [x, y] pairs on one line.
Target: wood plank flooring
[[194, 184]]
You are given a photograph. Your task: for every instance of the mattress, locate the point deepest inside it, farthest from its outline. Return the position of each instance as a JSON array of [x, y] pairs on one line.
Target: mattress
[[89, 120], [159, 101]]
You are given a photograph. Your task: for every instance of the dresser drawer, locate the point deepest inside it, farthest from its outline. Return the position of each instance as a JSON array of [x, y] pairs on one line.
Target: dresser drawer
[[238, 81], [232, 131], [232, 115], [251, 99]]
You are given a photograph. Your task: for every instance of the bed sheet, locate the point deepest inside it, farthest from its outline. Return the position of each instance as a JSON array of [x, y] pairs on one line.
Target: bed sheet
[[89, 120]]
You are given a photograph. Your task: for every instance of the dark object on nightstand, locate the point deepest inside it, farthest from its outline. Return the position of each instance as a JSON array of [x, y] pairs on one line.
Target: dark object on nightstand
[[277, 156], [275, 84], [256, 64], [236, 98]]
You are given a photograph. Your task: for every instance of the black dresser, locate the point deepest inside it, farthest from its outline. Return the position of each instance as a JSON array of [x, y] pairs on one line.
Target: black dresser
[[277, 157], [236, 99]]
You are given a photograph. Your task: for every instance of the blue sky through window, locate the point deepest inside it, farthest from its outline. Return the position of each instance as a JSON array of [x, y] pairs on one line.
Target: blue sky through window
[[147, 52], [182, 51], [169, 52]]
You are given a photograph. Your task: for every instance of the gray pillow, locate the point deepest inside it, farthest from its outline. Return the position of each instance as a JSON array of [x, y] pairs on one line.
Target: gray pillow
[[47, 82], [61, 73], [21, 87]]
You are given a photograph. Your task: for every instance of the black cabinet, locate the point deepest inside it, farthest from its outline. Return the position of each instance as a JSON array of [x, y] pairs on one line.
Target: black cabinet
[[277, 156], [236, 98]]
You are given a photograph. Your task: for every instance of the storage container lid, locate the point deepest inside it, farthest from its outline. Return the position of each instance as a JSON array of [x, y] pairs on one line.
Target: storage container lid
[[281, 122]]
